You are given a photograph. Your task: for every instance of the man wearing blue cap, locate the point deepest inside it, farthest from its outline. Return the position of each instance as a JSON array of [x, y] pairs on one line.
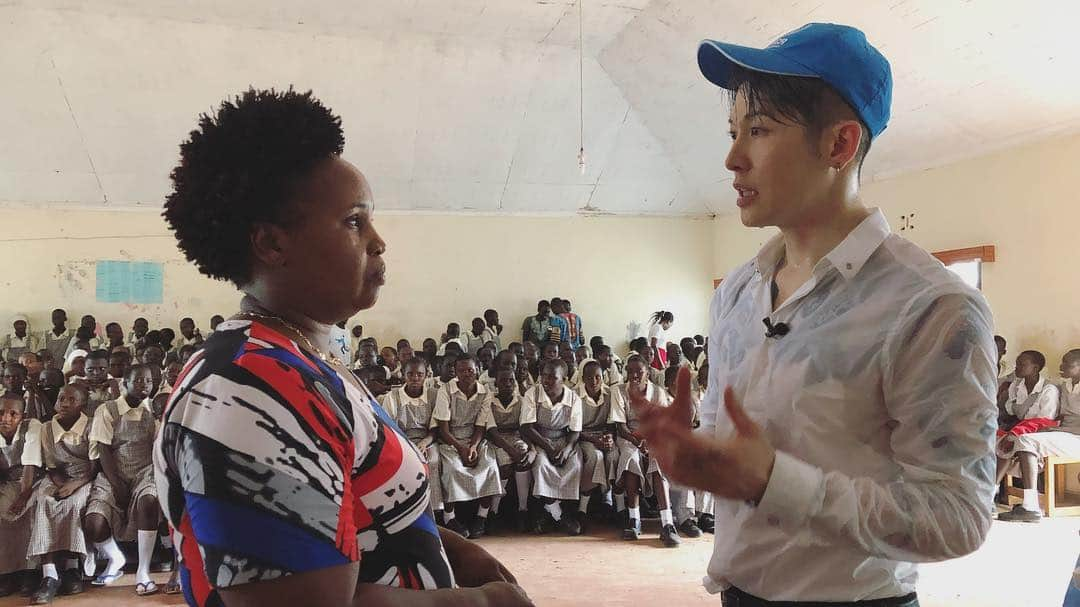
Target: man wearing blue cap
[[857, 374]]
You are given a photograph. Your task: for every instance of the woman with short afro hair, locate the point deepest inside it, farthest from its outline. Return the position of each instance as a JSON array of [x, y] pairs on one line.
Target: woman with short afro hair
[[281, 478]]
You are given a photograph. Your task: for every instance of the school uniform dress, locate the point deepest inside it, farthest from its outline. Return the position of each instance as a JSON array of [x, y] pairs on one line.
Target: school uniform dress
[[596, 417], [95, 343], [12, 347], [57, 345], [508, 426], [488, 381], [526, 383], [433, 384], [15, 529], [464, 343], [612, 376], [1036, 409], [129, 432], [463, 414], [490, 334], [271, 461], [57, 523], [630, 459], [473, 343], [657, 377], [555, 422], [1060, 441], [95, 397], [413, 417]]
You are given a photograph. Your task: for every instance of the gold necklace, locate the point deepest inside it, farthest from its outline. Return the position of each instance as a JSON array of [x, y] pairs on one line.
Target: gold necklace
[[291, 327]]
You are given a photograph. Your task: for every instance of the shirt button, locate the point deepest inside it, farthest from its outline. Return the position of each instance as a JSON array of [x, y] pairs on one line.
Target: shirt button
[[773, 520], [849, 266]]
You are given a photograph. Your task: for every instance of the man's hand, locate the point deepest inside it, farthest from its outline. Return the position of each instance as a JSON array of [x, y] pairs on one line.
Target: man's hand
[[473, 456], [473, 566], [737, 467]]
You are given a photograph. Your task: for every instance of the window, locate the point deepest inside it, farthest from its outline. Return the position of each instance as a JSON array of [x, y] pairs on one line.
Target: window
[[967, 263], [968, 271]]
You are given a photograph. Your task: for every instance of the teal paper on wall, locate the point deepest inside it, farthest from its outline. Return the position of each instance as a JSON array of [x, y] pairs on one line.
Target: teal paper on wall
[[139, 282]]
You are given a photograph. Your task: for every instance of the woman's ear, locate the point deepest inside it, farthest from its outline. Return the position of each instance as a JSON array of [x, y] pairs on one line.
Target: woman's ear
[[268, 244]]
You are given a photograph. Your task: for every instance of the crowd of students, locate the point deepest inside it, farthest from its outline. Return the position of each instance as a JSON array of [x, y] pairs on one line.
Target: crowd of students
[[1038, 418], [79, 411]]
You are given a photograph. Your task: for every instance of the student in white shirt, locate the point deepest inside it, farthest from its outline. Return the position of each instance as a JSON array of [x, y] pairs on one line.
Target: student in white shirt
[[866, 441], [492, 329], [1025, 451]]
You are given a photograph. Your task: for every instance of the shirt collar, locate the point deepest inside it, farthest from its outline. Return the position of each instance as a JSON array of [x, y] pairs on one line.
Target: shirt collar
[[545, 400], [1070, 387], [588, 400], [122, 406], [848, 257], [495, 402], [77, 428], [480, 388]]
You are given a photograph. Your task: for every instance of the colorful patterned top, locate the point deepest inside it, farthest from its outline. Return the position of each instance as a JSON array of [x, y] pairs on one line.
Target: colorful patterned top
[[270, 462]]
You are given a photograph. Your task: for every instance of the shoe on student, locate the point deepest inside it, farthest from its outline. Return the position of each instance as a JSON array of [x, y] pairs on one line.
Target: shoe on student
[[1019, 514], [478, 527], [690, 529], [8, 584], [707, 523], [570, 524], [70, 583], [46, 591], [456, 526], [670, 537], [524, 525], [632, 530], [29, 583]]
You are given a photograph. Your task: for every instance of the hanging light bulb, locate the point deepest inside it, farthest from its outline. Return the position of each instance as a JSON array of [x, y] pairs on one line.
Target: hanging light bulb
[[581, 88]]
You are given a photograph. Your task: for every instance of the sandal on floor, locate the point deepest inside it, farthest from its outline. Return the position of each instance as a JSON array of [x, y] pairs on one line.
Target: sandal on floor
[[146, 589], [106, 579], [173, 588]]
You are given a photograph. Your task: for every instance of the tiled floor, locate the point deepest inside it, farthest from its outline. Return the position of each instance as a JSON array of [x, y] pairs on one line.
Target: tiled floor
[[1019, 566]]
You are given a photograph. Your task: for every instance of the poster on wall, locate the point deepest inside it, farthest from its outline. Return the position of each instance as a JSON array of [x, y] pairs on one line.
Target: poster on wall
[[137, 282]]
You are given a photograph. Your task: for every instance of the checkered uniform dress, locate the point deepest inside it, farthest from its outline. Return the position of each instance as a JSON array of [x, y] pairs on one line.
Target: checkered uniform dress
[[57, 524], [14, 529], [133, 446]]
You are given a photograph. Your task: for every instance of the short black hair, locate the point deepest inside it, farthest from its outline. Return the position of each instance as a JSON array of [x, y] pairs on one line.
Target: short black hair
[[558, 363], [1000, 340], [241, 167], [17, 367], [84, 333], [98, 355], [1036, 356], [805, 101]]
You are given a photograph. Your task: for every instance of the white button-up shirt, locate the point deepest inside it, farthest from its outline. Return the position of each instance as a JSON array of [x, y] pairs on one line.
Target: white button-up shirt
[[1040, 403], [880, 403]]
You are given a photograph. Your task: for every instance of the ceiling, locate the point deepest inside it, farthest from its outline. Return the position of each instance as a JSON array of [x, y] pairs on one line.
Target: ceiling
[[473, 106]]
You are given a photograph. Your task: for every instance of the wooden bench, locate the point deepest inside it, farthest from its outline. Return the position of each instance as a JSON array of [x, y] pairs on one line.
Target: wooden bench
[[1053, 493]]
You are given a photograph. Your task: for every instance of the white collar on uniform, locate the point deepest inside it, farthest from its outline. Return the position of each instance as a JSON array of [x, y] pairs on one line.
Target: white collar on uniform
[[405, 399], [1021, 384], [76, 430], [544, 400], [122, 406], [848, 257], [588, 400], [1070, 387], [481, 389], [496, 402]]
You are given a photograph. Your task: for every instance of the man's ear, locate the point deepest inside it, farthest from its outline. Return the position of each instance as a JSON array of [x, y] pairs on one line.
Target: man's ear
[[268, 244], [841, 142]]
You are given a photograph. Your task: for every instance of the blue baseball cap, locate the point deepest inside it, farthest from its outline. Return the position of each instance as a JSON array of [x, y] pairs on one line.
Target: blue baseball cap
[[838, 54]]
